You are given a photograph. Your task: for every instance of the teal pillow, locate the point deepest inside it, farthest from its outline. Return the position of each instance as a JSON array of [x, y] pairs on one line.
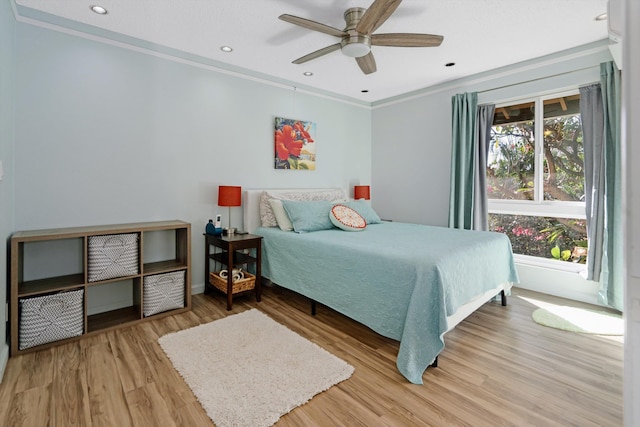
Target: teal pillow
[[365, 210], [309, 216]]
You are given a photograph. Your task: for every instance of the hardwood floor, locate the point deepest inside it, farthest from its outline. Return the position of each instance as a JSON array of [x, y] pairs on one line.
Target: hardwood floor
[[498, 368]]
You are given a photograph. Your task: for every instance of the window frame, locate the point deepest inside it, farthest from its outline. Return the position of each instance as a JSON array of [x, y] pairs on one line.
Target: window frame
[[539, 206]]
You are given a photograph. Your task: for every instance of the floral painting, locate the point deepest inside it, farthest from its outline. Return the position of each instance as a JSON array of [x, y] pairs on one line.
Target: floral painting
[[295, 146]]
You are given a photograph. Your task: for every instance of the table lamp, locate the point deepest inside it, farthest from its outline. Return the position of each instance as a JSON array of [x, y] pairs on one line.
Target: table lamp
[[230, 196], [362, 192]]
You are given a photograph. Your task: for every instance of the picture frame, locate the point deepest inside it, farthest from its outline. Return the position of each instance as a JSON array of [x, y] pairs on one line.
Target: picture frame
[[294, 144]]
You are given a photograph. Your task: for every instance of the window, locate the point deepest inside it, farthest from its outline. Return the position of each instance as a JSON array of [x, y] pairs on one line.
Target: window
[[535, 177]]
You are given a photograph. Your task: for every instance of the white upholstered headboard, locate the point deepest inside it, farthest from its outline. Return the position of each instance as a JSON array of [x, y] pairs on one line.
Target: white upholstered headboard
[[251, 203]]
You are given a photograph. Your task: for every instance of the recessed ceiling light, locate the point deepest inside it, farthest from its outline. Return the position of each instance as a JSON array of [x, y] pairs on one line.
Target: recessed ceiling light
[[99, 10], [226, 48], [601, 17], [307, 73], [449, 64]]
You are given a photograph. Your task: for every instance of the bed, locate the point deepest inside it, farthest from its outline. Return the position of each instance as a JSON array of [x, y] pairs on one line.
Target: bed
[[408, 282]]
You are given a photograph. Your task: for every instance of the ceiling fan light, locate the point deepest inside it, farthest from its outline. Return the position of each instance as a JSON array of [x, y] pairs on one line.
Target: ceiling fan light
[[356, 50]]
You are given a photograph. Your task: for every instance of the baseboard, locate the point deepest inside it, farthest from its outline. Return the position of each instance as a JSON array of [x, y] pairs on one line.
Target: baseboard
[[4, 358], [197, 288], [558, 283]]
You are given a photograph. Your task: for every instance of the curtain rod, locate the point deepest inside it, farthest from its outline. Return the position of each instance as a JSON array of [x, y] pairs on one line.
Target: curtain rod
[[539, 78]]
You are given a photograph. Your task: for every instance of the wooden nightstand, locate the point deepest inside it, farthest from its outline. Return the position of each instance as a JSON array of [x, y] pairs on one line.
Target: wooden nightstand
[[230, 252]]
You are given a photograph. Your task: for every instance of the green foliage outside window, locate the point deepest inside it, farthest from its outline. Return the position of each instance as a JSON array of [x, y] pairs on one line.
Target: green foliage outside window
[[511, 175], [540, 236]]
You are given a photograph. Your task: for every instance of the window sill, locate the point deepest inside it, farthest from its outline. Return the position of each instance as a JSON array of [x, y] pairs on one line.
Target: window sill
[[570, 267]]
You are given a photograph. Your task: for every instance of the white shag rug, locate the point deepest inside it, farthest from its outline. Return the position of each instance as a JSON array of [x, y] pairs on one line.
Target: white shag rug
[[248, 370]]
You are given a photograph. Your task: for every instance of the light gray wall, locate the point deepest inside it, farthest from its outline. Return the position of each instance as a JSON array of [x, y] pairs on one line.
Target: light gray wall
[[7, 80], [410, 166], [106, 135]]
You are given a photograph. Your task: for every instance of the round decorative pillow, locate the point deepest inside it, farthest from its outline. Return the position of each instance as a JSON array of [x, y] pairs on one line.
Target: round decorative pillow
[[346, 218]]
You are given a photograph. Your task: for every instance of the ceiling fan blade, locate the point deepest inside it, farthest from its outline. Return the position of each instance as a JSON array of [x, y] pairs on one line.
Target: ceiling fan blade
[[378, 12], [312, 25], [318, 53], [367, 63], [406, 40]]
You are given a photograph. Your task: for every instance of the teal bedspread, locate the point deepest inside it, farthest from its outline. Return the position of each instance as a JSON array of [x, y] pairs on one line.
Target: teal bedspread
[[401, 280]]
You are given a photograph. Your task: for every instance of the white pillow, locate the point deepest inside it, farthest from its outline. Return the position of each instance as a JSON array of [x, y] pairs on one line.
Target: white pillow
[[346, 218], [281, 215]]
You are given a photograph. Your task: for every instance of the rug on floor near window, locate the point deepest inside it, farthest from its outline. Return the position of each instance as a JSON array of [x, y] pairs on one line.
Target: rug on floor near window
[[248, 370], [580, 320]]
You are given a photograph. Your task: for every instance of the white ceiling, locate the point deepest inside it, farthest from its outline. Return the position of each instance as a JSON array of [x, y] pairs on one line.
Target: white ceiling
[[478, 36]]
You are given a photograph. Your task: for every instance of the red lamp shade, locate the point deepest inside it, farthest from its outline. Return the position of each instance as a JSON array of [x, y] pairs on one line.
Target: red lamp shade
[[229, 195], [361, 192]]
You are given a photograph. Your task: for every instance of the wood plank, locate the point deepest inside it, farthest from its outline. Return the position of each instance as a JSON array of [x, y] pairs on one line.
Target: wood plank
[[148, 407], [30, 408], [13, 371], [37, 370], [69, 387], [107, 401], [71, 394], [133, 368]]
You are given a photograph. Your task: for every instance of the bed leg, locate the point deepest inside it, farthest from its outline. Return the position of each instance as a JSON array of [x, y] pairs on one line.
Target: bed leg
[[313, 307], [435, 363], [503, 297]]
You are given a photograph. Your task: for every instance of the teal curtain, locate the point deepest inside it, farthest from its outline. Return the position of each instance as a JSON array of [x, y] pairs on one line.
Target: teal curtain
[[612, 286], [463, 159], [480, 201], [591, 111]]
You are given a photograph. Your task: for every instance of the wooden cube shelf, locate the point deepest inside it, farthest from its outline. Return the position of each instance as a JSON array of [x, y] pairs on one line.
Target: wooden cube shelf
[[46, 262]]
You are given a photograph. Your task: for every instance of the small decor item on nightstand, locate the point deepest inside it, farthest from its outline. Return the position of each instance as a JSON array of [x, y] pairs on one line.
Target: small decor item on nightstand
[[236, 274], [213, 228], [210, 228], [241, 285]]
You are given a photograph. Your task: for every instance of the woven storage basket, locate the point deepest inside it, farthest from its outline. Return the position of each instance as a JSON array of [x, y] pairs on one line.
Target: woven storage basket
[[162, 292], [242, 285], [49, 318], [114, 255]]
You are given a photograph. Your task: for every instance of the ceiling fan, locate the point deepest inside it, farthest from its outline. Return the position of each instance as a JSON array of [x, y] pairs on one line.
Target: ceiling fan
[[356, 39]]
